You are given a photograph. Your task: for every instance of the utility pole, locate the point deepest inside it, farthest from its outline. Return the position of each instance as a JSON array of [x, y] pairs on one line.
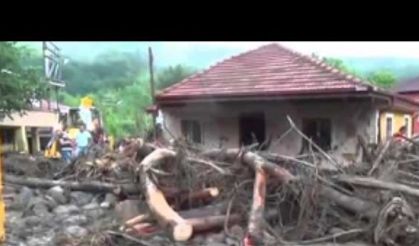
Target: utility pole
[[152, 93]]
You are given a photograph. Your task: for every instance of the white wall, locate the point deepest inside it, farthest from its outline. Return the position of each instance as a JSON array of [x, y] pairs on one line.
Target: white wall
[[32, 119], [348, 120]]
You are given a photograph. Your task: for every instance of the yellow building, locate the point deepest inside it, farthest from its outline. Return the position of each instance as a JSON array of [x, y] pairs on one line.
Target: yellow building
[[390, 123], [31, 131]]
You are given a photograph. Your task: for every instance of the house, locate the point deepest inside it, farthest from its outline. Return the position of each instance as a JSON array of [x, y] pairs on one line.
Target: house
[[248, 97], [31, 131], [410, 88]]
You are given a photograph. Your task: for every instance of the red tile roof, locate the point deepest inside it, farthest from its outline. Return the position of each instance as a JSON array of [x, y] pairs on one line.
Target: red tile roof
[[268, 70]]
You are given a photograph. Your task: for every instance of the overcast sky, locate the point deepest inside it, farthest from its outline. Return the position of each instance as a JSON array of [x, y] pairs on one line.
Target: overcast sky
[[344, 49], [202, 54]]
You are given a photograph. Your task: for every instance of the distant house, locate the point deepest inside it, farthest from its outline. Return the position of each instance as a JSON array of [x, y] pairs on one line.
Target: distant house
[[246, 99], [410, 88], [31, 131]]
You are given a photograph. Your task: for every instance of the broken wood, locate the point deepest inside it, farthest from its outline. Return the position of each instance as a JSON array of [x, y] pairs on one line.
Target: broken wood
[[350, 203], [165, 215], [212, 222], [256, 218], [378, 184], [156, 201], [380, 156], [253, 160], [186, 198], [209, 210]]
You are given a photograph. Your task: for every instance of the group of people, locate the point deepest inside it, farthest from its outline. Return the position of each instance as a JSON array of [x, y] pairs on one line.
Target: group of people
[[70, 148]]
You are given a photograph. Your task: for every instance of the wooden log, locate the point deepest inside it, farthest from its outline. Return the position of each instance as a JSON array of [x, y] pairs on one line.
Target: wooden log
[[380, 156], [213, 222], [253, 160], [165, 215], [350, 203], [156, 201], [255, 226], [93, 186], [143, 229], [209, 210], [191, 199], [378, 184]]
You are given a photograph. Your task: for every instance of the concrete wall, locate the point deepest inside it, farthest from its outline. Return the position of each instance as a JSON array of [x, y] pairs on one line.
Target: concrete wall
[[32, 119], [221, 120]]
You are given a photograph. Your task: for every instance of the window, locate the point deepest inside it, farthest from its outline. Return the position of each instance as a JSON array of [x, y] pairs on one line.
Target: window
[[389, 125], [319, 131], [408, 125], [191, 129]]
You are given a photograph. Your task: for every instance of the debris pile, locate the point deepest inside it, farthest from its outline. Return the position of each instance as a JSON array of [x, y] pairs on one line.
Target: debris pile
[[189, 195]]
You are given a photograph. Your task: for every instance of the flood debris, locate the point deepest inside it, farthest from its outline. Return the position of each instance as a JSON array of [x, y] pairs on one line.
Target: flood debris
[[183, 194]]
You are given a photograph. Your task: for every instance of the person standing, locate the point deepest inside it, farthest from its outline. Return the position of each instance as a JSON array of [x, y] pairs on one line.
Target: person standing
[[83, 140], [66, 147]]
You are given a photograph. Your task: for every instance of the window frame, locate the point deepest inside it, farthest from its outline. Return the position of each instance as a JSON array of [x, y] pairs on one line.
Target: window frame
[[318, 128], [390, 116], [409, 125], [185, 123]]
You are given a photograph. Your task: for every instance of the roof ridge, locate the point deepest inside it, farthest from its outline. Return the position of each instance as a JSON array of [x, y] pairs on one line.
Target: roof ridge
[[197, 74], [326, 67]]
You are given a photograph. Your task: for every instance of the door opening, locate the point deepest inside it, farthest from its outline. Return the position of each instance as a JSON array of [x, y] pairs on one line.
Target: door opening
[[252, 129]]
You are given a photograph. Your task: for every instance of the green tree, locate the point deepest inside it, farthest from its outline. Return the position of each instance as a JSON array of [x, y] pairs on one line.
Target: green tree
[[172, 74], [382, 78], [18, 85]]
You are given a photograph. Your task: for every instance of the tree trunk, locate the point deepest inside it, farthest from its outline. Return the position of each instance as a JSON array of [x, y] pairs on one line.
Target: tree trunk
[[255, 226], [156, 201]]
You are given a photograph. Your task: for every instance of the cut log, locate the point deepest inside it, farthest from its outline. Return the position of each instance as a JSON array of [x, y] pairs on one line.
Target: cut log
[[93, 186], [165, 215], [156, 201], [210, 210], [353, 204], [378, 184], [191, 199], [213, 222], [255, 230], [253, 160], [143, 229]]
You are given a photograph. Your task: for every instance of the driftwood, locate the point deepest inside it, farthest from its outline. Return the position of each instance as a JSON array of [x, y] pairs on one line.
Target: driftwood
[[255, 230], [380, 156], [253, 160], [209, 210], [378, 184], [350, 203], [156, 201], [182, 198]]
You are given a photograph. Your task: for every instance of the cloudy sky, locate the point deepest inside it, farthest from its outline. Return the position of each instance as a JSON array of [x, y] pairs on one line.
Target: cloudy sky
[[201, 54]]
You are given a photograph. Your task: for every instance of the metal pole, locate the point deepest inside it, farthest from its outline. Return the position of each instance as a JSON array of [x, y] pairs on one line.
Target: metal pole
[[150, 60]]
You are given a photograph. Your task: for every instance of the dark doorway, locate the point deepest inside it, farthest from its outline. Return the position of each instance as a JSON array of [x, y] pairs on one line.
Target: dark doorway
[[319, 131], [252, 128]]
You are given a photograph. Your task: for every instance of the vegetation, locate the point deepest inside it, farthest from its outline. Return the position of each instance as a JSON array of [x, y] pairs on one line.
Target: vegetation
[[118, 82], [20, 82], [381, 78]]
